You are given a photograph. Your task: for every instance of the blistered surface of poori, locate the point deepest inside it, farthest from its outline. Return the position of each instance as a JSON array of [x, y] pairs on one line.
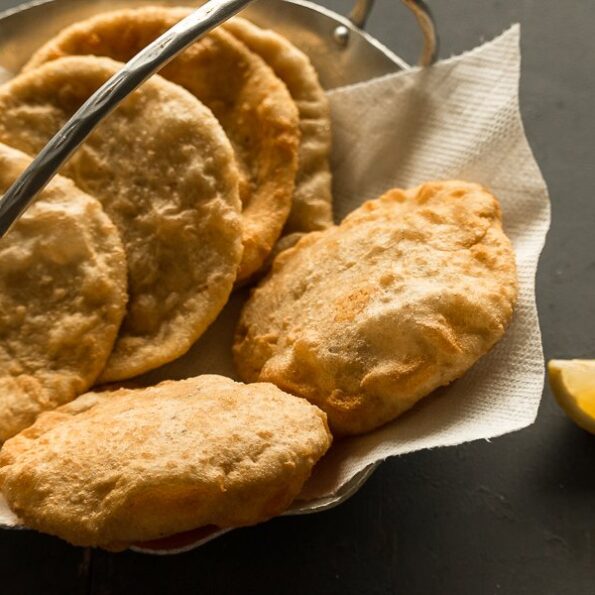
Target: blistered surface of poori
[[114, 468], [253, 106], [62, 298], [368, 317]]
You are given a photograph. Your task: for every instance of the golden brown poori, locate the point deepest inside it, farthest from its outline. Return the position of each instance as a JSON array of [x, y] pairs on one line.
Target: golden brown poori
[[114, 468], [366, 318], [253, 106], [311, 209], [62, 298]]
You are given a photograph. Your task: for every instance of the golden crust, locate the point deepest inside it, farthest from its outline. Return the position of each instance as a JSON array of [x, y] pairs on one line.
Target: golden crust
[[164, 172], [366, 318], [62, 298], [251, 103], [312, 199], [114, 468]]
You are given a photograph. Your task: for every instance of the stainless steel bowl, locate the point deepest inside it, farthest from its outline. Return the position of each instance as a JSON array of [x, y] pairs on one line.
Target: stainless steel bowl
[[342, 52]]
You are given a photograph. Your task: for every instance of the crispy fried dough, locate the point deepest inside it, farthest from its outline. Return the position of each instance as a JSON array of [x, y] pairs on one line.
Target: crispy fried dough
[[251, 103], [114, 468], [366, 318], [62, 298], [312, 199], [164, 171]]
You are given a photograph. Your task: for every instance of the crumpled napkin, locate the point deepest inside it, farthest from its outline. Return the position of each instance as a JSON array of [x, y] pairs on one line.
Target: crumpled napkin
[[458, 119]]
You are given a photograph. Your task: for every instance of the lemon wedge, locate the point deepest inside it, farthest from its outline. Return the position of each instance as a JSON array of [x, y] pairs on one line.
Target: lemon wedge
[[573, 383]]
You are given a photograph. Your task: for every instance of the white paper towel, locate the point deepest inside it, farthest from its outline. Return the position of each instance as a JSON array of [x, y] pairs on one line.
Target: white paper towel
[[458, 119]]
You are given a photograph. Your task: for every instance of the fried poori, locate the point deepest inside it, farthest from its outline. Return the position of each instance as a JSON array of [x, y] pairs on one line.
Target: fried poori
[[251, 103], [366, 318], [312, 199], [114, 468], [62, 298]]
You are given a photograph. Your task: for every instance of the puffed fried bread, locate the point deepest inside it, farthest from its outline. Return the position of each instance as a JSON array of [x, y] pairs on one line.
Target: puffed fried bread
[[312, 199], [62, 298], [253, 106], [114, 468], [366, 318]]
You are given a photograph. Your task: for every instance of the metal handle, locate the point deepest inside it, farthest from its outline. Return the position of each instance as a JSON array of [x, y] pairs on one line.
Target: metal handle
[[166, 47], [361, 11]]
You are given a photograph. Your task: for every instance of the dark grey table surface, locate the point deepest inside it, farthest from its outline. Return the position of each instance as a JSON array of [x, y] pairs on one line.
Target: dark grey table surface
[[515, 515]]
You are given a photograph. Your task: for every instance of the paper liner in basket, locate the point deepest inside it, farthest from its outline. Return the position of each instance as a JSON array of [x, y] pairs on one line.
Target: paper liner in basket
[[458, 119]]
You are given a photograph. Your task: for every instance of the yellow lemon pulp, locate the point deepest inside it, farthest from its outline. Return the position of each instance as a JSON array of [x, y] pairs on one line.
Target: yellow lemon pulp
[[573, 383]]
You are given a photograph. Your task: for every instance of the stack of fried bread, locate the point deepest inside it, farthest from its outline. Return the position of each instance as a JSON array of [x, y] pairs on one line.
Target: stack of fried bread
[[205, 175]]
